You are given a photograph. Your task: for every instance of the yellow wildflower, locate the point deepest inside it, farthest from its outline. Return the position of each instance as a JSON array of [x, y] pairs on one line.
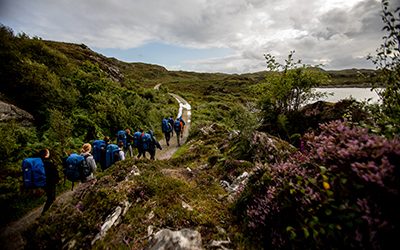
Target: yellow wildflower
[[326, 185]]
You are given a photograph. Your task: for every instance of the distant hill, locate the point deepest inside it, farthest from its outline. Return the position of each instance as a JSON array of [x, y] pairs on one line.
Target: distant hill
[[149, 73]]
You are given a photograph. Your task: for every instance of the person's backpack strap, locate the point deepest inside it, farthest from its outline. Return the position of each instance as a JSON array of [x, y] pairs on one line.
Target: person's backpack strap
[[85, 168]]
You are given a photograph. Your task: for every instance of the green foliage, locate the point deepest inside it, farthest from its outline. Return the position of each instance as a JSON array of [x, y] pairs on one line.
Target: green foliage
[[60, 130], [387, 61], [182, 150], [243, 119], [75, 96], [16, 141], [289, 85]]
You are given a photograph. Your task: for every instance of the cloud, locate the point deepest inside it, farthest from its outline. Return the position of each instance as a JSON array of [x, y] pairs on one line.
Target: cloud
[[338, 32]]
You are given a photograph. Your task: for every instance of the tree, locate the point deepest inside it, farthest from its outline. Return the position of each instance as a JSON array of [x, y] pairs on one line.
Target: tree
[[286, 89], [387, 62], [289, 86], [60, 130]]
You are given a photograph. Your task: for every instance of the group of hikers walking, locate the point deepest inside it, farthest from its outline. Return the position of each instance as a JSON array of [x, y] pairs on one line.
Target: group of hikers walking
[[169, 125], [107, 153], [41, 172]]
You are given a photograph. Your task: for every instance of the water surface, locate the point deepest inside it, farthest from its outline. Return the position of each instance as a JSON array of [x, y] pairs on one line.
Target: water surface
[[359, 94]]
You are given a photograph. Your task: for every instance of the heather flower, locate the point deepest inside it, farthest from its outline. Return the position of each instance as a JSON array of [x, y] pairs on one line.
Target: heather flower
[[354, 207]]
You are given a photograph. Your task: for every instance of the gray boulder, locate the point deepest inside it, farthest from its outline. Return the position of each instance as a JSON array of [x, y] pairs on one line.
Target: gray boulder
[[9, 112], [185, 239], [266, 148]]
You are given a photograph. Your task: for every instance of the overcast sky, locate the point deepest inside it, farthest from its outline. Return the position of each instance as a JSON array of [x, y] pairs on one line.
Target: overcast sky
[[208, 35]]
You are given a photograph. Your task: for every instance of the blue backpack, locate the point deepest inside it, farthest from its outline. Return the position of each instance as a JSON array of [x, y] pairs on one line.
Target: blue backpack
[[98, 146], [111, 152], [146, 141], [165, 126], [136, 139], [33, 173], [76, 168], [177, 126], [121, 136]]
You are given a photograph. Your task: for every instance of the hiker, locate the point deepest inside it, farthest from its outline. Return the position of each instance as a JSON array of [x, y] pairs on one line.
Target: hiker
[[183, 123], [166, 129], [153, 144], [52, 178], [121, 153], [107, 141], [171, 122], [112, 154], [85, 152], [129, 141], [139, 143], [178, 127]]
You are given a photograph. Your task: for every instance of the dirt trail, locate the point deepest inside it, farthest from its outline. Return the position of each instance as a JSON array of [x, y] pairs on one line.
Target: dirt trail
[[11, 236], [185, 112]]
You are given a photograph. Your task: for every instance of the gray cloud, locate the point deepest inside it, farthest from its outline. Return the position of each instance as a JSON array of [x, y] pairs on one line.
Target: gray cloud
[[336, 32]]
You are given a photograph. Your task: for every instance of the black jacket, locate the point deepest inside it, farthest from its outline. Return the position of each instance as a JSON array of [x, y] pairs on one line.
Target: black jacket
[[52, 176]]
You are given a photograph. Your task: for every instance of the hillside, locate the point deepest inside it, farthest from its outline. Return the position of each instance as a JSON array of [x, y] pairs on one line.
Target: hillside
[[247, 177]]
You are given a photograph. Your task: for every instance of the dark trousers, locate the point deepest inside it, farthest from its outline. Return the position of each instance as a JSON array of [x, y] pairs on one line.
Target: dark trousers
[[152, 153], [178, 133], [51, 197], [167, 137], [141, 152]]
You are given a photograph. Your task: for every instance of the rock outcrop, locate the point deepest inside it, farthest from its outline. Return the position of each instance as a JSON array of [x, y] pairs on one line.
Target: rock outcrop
[[185, 239], [9, 112], [268, 148], [311, 115]]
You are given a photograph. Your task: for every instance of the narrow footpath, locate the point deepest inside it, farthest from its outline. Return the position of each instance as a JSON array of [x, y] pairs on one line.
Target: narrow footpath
[[185, 112]]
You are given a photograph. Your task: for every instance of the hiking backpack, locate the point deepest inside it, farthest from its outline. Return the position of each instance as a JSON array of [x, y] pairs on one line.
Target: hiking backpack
[[33, 173], [146, 141], [111, 151], [76, 168], [136, 139], [165, 126], [121, 136], [177, 126], [98, 147]]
